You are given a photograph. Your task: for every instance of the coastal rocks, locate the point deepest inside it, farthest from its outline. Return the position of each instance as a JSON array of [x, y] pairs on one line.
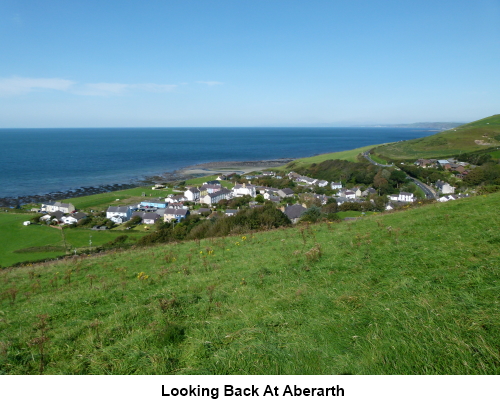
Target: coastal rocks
[[62, 195]]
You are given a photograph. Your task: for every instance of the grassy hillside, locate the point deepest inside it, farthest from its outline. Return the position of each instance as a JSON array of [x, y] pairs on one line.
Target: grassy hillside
[[412, 292], [474, 136], [349, 155]]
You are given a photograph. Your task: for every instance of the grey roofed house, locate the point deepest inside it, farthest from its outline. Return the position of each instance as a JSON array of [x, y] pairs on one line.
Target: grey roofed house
[[286, 192], [294, 212], [79, 215], [222, 191], [118, 209], [369, 191], [230, 213], [150, 217], [176, 211], [58, 215]]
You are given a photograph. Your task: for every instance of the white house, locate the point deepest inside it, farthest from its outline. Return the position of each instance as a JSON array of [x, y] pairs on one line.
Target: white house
[[172, 214], [73, 218], [240, 190], [119, 214], [402, 197], [57, 206], [176, 198], [321, 183], [214, 198], [192, 194], [444, 187], [336, 185]]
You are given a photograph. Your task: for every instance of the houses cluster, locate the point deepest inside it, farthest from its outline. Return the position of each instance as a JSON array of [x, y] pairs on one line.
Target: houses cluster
[[461, 169], [60, 213], [307, 181]]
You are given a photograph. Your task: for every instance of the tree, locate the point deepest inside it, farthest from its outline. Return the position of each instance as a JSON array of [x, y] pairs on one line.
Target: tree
[[312, 214], [259, 198]]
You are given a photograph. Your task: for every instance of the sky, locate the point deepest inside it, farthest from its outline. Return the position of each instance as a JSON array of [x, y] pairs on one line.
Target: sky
[[215, 63]]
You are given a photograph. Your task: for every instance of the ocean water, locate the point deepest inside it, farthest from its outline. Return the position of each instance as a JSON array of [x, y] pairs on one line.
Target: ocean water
[[40, 161]]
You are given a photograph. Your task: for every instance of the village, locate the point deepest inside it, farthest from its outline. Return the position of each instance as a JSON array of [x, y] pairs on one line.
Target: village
[[212, 199]]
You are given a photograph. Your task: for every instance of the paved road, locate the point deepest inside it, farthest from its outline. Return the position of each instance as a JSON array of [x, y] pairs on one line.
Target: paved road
[[429, 193], [367, 156]]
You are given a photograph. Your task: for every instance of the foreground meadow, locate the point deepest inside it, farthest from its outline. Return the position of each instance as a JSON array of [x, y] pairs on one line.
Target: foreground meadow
[[413, 292]]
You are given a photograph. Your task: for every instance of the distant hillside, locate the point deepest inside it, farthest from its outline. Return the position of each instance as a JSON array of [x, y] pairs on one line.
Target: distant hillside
[[413, 292], [430, 125], [474, 136]]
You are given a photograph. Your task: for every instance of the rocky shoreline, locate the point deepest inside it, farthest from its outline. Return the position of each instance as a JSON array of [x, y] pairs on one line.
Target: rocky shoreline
[[185, 173]]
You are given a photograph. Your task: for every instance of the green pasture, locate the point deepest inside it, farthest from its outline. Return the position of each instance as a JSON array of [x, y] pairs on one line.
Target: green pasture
[[19, 243], [15, 236], [412, 292], [104, 200]]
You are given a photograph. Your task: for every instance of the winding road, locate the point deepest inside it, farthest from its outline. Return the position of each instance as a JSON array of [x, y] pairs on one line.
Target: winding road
[[428, 191]]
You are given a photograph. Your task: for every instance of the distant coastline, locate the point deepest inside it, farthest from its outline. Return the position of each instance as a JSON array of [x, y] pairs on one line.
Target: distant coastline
[[186, 173], [55, 164]]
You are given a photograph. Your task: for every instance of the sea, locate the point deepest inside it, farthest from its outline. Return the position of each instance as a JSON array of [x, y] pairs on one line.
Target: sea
[[42, 161]]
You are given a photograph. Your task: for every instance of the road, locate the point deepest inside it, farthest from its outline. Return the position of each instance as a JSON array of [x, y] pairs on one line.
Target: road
[[367, 156], [428, 191]]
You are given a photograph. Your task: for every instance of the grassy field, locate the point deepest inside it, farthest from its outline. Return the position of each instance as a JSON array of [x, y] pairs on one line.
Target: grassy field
[[198, 181], [104, 200], [350, 155], [447, 143], [413, 292], [19, 243], [15, 236]]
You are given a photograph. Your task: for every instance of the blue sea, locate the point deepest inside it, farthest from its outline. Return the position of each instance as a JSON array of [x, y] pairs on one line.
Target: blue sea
[[40, 161]]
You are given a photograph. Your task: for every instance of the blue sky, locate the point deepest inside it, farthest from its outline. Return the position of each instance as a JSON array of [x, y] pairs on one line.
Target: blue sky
[[247, 63]]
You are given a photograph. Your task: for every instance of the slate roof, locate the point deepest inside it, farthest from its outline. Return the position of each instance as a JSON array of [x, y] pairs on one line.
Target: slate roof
[[294, 211], [117, 209], [176, 211]]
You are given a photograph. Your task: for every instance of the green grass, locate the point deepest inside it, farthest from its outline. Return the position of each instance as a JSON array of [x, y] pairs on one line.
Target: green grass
[[350, 214], [413, 292], [19, 243], [15, 236], [379, 160], [198, 181], [104, 200], [350, 155], [495, 155], [447, 143]]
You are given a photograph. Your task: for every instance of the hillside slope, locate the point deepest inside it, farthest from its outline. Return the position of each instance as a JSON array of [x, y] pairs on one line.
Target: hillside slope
[[474, 136], [413, 292]]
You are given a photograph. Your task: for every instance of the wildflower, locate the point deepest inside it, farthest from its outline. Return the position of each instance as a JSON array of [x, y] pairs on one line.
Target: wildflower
[[243, 238]]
